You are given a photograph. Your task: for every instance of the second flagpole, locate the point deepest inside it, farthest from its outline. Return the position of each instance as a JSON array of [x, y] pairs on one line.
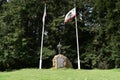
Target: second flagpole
[[78, 54]]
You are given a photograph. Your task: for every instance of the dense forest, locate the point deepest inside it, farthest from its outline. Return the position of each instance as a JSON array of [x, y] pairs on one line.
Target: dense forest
[[21, 30]]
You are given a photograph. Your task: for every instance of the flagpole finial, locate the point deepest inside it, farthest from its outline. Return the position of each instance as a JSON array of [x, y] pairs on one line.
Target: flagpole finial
[[74, 3]]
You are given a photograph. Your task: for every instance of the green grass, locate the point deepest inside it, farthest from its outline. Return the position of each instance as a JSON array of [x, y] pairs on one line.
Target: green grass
[[61, 74]]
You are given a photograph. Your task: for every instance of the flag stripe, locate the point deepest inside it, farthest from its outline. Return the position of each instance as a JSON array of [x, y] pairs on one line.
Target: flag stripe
[[71, 14], [67, 20]]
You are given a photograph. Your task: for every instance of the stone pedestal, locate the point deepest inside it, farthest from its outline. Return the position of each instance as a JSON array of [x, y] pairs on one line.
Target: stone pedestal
[[60, 61]]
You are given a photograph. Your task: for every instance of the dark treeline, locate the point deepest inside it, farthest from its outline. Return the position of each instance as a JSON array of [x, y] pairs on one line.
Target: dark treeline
[[21, 26]]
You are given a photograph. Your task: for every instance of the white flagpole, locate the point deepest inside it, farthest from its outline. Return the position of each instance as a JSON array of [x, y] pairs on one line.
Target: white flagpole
[[40, 61], [78, 55]]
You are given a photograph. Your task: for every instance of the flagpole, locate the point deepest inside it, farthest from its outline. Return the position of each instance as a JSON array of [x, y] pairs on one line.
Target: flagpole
[[40, 61], [78, 55]]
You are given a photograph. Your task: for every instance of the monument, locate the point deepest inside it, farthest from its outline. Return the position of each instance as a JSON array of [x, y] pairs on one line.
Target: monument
[[61, 61]]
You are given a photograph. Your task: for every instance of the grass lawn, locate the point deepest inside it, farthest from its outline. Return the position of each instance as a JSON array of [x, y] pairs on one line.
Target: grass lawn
[[61, 74]]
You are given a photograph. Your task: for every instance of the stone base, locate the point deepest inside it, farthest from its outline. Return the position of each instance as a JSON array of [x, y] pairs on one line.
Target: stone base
[[60, 61]]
